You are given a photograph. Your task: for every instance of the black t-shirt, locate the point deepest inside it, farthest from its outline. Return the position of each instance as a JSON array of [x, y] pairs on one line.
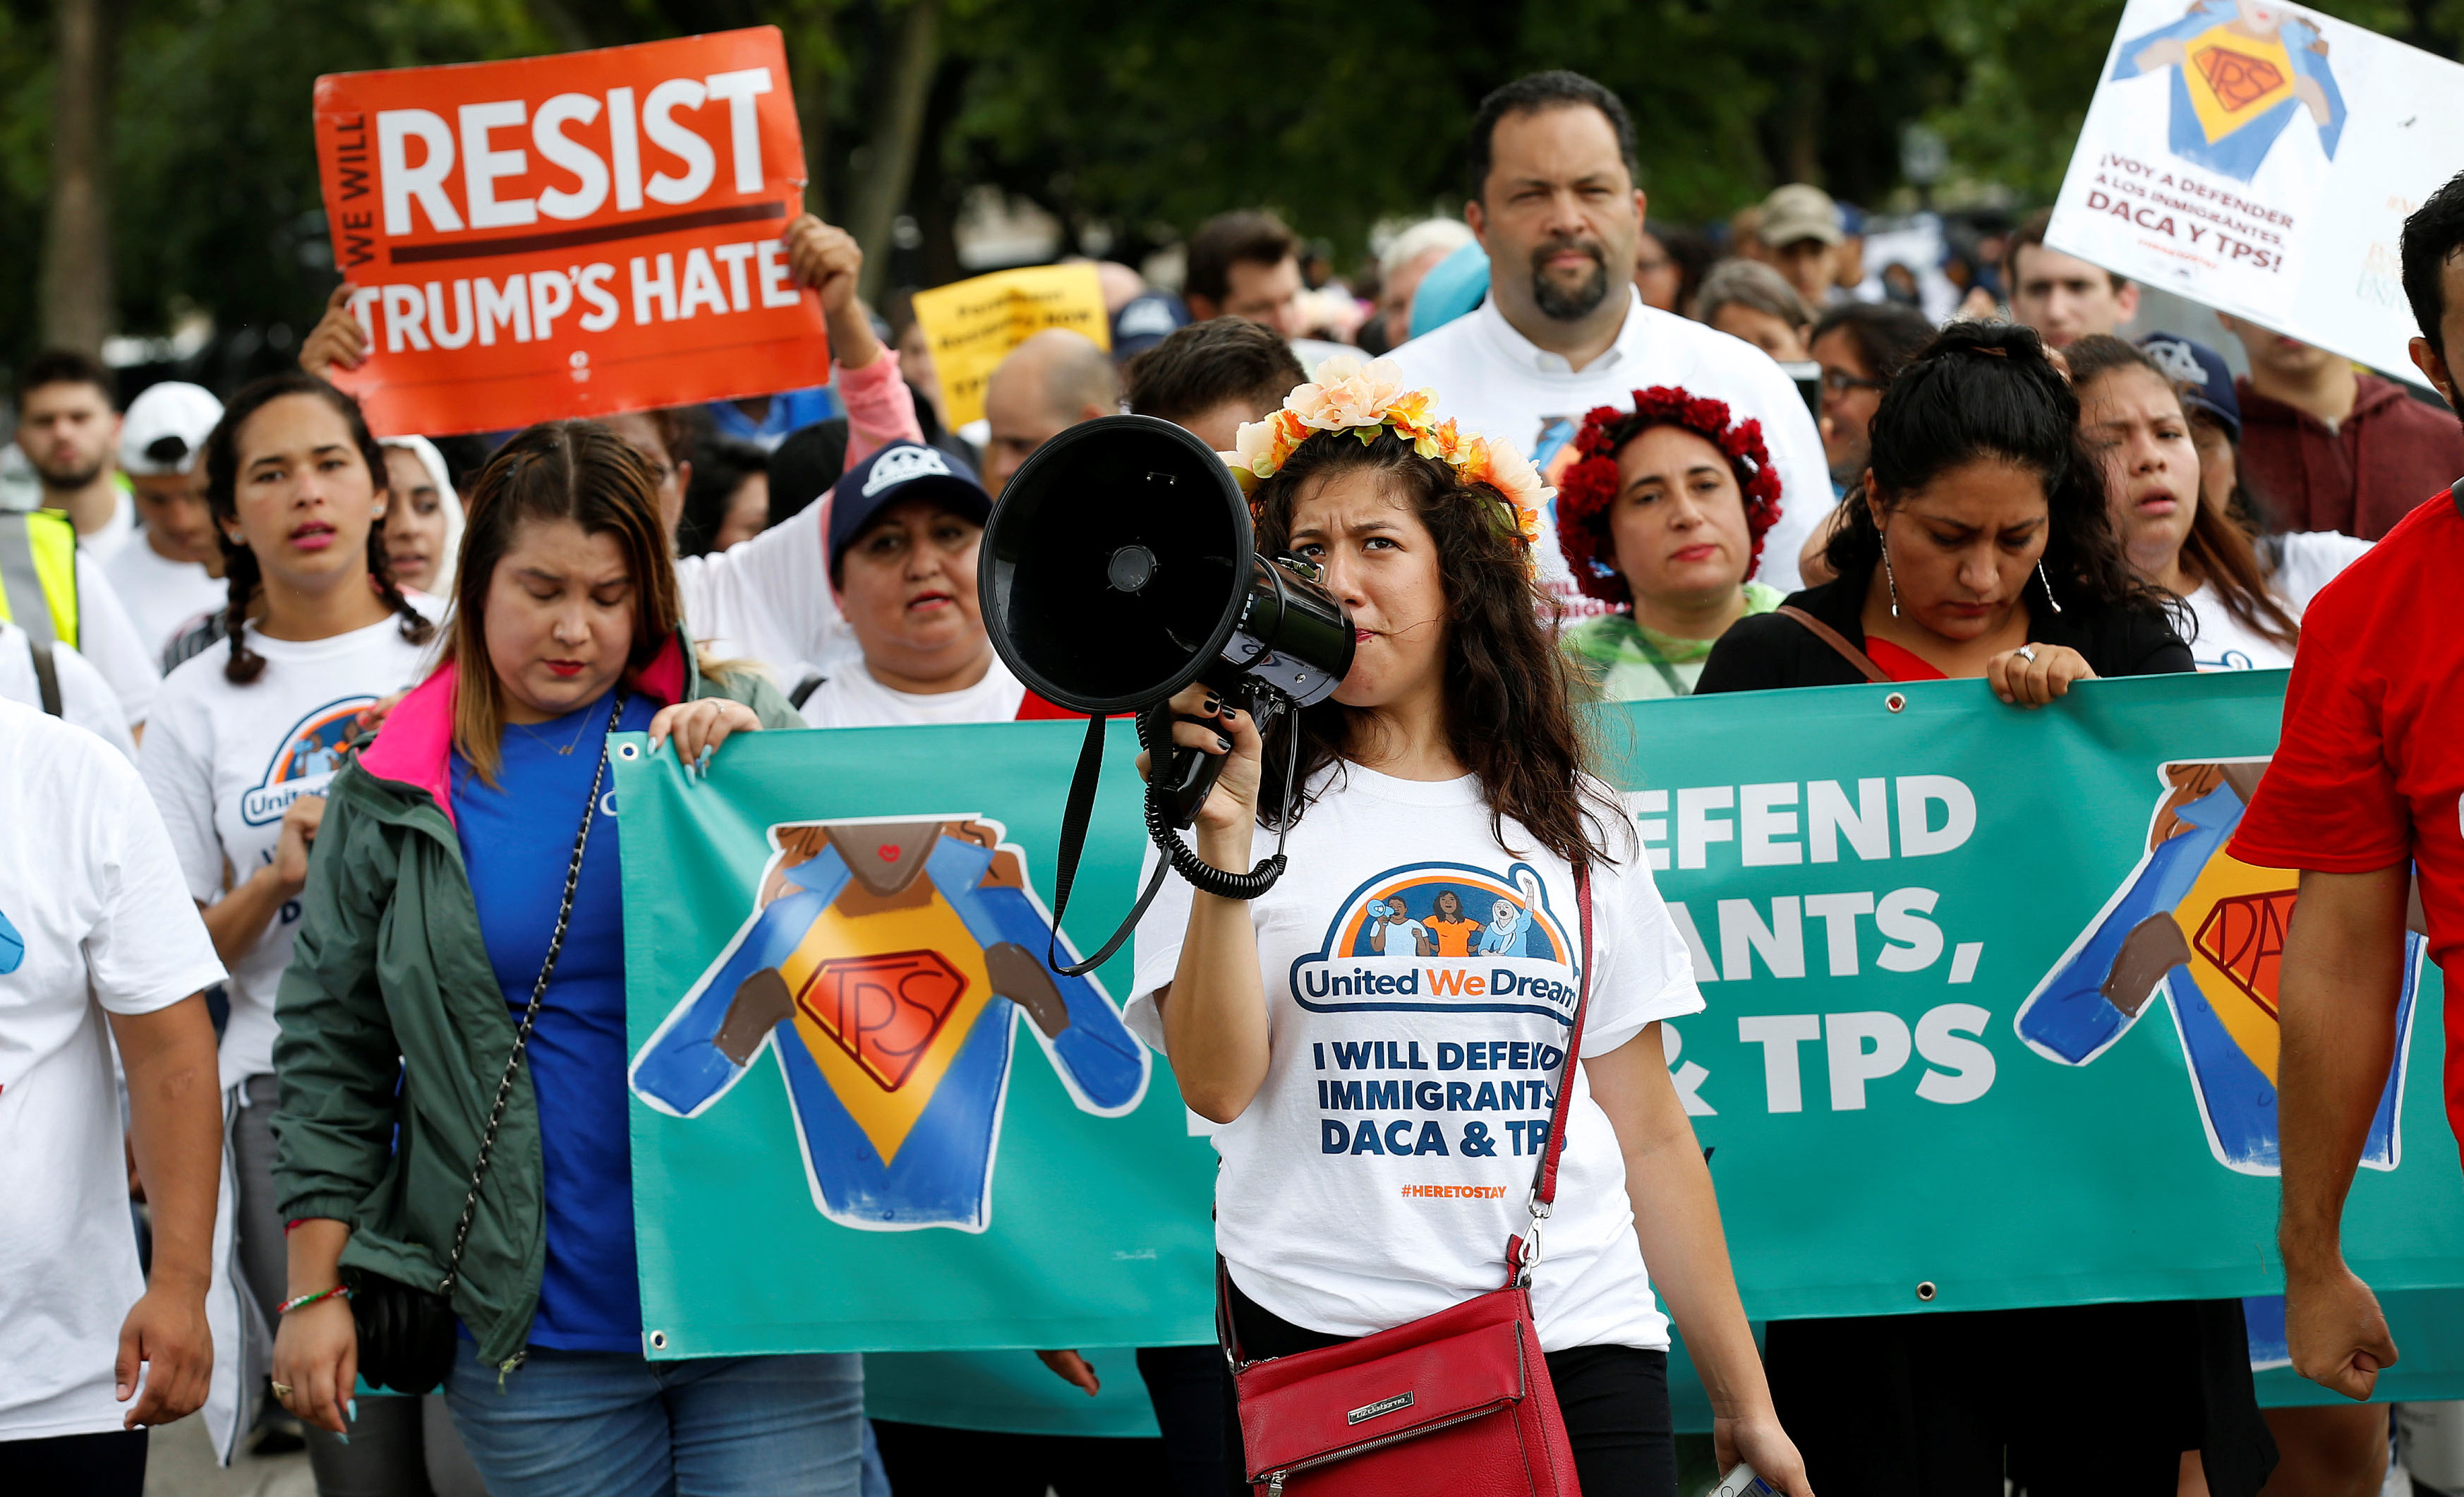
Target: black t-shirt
[[1769, 651]]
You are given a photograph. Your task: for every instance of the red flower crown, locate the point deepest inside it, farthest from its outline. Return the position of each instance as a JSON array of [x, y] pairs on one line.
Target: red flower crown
[[1588, 488]]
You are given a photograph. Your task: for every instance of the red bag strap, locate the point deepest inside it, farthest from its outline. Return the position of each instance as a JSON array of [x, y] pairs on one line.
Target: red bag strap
[[1522, 1252]]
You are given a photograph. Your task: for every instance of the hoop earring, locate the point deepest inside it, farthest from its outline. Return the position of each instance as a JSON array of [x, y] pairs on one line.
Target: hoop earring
[[2047, 586], [1892, 580]]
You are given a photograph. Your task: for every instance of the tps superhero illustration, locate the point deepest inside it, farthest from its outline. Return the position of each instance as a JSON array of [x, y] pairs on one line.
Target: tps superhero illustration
[[2206, 931], [2240, 69], [887, 963]]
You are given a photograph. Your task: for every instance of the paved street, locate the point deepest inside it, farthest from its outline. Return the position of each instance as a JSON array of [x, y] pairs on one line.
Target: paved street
[[180, 1462]]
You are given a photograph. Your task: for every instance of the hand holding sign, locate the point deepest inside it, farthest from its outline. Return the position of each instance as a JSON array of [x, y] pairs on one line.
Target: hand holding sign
[[337, 341], [566, 237]]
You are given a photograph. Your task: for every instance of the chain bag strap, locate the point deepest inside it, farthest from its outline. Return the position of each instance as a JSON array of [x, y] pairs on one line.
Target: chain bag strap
[[407, 1335]]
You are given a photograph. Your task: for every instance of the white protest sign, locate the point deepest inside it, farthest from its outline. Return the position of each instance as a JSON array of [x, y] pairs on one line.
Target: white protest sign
[[2261, 159]]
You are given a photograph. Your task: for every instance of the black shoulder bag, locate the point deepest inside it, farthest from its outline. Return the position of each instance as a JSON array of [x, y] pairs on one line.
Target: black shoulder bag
[[407, 1333]]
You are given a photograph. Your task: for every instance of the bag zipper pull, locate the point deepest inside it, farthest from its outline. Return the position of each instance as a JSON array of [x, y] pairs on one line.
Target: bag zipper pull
[[1275, 1484]]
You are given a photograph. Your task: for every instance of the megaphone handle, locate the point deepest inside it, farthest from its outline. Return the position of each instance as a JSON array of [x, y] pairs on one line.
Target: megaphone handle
[[1189, 775]]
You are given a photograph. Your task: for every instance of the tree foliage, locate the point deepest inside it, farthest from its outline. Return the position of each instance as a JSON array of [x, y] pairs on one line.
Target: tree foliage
[[1144, 119]]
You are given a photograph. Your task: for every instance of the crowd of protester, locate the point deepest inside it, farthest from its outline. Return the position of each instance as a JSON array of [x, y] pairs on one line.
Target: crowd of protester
[[1772, 469]]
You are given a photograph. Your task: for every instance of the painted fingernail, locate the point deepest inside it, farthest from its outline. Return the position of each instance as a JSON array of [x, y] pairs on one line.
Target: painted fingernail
[[351, 1410], [1224, 742], [1209, 708]]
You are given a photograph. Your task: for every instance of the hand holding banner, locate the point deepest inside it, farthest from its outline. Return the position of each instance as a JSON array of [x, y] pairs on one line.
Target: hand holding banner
[[570, 235]]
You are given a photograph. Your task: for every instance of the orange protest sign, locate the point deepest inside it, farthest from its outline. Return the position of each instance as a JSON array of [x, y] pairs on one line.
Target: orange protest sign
[[570, 235]]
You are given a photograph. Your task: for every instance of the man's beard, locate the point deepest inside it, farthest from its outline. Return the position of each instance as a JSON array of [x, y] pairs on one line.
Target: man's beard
[[66, 477], [1562, 305]]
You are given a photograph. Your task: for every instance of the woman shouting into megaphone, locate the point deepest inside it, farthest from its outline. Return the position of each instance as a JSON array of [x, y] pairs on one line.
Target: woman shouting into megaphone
[[1386, 1106]]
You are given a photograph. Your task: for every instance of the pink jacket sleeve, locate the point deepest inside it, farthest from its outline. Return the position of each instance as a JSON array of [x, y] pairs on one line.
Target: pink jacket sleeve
[[880, 407]]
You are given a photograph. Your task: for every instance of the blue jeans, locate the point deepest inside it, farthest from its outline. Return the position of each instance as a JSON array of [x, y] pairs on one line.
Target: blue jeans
[[610, 1425]]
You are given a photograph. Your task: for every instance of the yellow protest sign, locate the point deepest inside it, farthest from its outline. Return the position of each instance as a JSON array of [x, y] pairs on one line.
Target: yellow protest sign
[[971, 325]]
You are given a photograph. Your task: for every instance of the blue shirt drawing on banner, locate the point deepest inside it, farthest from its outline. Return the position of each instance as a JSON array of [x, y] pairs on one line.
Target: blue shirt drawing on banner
[[886, 962], [2206, 931], [2240, 69]]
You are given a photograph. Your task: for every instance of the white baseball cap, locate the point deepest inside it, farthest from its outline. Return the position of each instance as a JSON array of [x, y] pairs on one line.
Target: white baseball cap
[[165, 427]]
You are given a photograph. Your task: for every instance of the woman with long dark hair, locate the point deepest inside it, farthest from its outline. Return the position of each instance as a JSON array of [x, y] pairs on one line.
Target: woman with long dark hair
[[459, 994], [1448, 774], [245, 737], [1980, 544], [1976, 545], [2132, 415]]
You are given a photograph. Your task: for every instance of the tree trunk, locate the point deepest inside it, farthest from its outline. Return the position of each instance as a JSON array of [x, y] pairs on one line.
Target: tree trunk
[[933, 192], [813, 117], [75, 283], [896, 131]]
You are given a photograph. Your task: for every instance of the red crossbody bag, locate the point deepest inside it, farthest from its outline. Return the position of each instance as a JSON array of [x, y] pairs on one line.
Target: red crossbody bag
[[1455, 1402]]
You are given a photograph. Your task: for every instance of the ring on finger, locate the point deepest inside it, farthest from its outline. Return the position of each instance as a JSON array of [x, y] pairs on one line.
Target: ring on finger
[[281, 1390], [2027, 653]]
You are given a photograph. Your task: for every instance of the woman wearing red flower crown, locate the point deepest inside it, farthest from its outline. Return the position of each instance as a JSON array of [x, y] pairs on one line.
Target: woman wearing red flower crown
[[1665, 512]]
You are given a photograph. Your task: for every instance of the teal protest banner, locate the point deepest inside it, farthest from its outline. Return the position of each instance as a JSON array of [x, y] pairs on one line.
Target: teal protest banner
[[1991, 1014], [867, 1117], [1991, 1024]]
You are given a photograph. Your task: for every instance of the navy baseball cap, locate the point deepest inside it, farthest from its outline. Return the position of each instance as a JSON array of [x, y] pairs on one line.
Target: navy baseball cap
[[901, 470], [1145, 321], [2205, 380]]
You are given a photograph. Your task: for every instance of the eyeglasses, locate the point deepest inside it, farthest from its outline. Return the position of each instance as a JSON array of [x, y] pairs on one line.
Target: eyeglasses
[[1839, 381]]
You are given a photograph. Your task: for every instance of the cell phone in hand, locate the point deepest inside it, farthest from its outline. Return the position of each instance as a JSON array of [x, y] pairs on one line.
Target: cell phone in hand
[[1743, 1482]]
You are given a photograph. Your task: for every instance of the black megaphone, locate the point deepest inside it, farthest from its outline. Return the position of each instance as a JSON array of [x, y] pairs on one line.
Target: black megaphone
[[1118, 567]]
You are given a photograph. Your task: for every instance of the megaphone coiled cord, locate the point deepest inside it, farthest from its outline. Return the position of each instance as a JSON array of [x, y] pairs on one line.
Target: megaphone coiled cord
[[1184, 859]]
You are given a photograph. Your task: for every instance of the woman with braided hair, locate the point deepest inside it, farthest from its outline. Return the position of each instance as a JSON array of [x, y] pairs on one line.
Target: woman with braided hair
[[1664, 512], [245, 735]]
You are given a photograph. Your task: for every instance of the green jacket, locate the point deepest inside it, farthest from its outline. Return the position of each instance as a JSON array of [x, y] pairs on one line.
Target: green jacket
[[389, 979]]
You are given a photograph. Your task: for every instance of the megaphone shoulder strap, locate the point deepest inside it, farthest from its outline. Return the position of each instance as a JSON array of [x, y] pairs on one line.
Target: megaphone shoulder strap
[[1075, 818]]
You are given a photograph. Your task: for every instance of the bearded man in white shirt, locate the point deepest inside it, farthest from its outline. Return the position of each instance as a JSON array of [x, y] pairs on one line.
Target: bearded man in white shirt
[[1553, 203]]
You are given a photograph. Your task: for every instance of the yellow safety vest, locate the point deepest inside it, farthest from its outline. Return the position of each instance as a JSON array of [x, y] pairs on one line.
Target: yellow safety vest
[[38, 554]]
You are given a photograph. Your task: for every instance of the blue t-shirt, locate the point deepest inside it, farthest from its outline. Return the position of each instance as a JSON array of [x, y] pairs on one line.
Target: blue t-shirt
[[791, 410], [518, 840]]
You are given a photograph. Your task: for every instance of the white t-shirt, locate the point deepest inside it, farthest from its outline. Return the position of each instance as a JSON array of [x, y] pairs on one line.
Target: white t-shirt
[[768, 600], [93, 920], [851, 698], [225, 762], [1379, 1171], [2222, 643], [1495, 381], [111, 642], [86, 699], [118, 531], [2309, 561], [163, 597]]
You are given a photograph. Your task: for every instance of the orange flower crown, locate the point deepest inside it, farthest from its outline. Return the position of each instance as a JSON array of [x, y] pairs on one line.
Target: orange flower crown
[[1366, 399]]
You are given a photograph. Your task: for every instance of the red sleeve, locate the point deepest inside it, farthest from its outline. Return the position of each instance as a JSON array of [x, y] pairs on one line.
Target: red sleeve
[[2328, 803]]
